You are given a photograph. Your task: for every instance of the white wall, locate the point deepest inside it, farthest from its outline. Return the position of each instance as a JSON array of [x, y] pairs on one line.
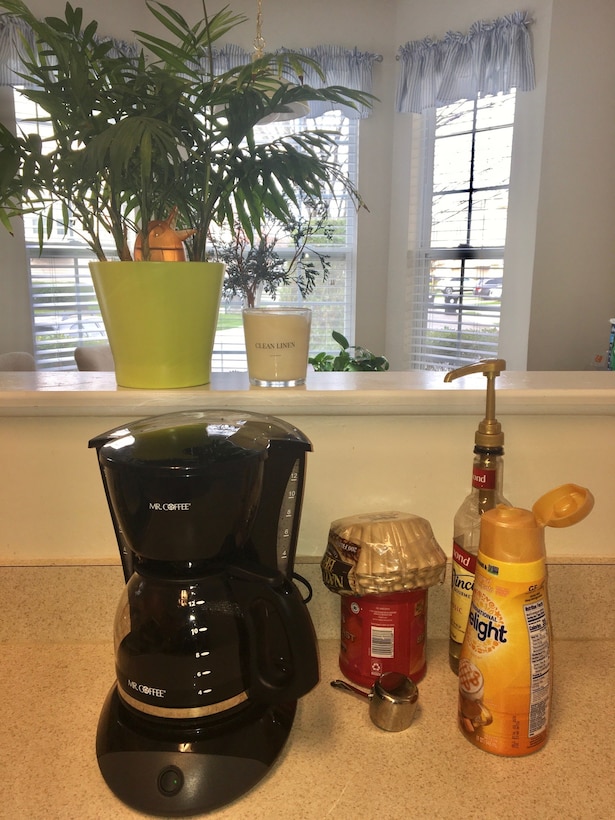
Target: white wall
[[562, 200], [56, 512], [573, 293]]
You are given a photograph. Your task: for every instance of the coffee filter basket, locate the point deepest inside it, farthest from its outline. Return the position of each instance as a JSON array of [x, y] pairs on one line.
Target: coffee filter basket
[[382, 553]]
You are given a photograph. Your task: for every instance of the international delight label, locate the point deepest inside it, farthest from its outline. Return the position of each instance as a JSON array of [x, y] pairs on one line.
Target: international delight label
[[464, 567]]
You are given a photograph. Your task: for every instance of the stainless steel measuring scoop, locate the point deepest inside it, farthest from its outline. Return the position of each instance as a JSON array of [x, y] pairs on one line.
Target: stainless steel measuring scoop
[[392, 700]]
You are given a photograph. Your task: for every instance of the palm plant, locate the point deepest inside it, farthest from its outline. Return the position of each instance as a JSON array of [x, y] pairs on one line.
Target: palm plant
[[139, 135]]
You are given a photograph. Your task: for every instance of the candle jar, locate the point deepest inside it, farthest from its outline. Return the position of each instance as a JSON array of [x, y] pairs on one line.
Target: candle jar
[[277, 345]]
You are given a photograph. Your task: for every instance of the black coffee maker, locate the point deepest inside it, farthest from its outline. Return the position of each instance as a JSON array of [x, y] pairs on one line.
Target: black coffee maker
[[213, 642]]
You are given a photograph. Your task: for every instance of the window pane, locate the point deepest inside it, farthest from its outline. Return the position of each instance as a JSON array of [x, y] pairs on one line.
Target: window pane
[[492, 157], [452, 163], [495, 111], [332, 302], [460, 321], [449, 220], [489, 213], [65, 310], [456, 118]]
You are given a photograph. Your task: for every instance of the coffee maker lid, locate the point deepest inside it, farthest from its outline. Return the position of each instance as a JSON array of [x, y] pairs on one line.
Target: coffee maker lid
[[194, 439]]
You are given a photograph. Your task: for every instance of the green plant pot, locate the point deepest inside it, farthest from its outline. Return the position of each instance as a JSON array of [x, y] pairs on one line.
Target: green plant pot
[[160, 319]]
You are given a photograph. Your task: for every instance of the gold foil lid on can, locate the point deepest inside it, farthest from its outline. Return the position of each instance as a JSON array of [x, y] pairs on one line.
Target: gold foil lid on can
[[381, 553]]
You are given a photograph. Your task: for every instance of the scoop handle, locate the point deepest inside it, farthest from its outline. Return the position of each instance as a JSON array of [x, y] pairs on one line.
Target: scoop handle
[[347, 687]]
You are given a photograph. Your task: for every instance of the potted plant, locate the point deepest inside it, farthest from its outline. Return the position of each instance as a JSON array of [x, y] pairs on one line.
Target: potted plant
[[361, 360], [255, 266], [277, 337], [140, 136]]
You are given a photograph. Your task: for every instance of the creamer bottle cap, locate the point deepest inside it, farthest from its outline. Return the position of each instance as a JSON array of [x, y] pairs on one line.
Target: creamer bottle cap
[[564, 506], [515, 535]]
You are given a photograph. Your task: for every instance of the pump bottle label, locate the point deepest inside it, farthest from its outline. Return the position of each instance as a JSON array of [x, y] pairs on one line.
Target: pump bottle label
[[483, 479], [464, 561], [464, 567]]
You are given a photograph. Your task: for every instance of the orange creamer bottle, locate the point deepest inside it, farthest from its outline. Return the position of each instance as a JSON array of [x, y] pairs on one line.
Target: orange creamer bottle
[[505, 667]]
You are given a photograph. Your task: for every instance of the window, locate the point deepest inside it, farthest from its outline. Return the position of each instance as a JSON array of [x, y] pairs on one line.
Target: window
[[65, 311], [64, 306], [461, 232], [332, 301]]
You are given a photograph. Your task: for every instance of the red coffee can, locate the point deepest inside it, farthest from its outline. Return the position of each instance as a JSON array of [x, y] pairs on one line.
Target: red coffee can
[[383, 633]]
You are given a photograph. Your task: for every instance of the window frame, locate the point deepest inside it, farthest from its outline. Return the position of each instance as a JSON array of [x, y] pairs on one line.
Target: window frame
[[464, 344]]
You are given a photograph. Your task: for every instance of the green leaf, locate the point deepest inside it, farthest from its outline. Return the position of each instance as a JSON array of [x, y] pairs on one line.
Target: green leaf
[[341, 340], [6, 222]]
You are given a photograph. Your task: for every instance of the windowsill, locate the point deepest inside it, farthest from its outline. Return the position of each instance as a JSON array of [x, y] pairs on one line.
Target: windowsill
[[48, 393]]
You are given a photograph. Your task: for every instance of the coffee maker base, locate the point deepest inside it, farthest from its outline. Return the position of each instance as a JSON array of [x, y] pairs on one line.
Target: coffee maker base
[[161, 773]]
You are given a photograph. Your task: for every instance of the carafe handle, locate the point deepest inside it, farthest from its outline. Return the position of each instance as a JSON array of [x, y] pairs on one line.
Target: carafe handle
[[283, 660]]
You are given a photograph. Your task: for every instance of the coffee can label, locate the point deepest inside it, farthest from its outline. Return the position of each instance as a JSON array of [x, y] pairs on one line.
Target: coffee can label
[[383, 633]]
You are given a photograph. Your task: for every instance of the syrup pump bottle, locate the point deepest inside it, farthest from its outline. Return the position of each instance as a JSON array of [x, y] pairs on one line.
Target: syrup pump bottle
[[486, 493]]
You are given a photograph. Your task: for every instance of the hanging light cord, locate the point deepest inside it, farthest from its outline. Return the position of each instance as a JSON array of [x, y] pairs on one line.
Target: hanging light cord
[[259, 41], [292, 111]]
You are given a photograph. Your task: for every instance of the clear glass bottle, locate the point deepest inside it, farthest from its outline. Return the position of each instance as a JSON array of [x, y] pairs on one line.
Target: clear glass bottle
[[486, 494]]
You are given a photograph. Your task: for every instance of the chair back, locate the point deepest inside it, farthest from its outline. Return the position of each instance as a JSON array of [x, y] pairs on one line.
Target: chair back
[[17, 361], [94, 357]]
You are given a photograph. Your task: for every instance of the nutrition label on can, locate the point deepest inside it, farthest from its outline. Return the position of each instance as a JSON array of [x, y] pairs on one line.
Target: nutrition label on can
[[536, 620]]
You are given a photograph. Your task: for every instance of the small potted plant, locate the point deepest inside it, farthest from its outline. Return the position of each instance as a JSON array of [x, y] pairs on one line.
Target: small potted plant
[[259, 265], [352, 358], [277, 336], [144, 136]]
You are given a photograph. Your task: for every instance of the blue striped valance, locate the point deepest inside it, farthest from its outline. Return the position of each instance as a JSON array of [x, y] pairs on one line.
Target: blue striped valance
[[13, 31], [492, 57], [347, 67], [12, 34]]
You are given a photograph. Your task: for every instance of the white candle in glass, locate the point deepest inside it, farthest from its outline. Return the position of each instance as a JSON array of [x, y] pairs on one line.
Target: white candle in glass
[[277, 345]]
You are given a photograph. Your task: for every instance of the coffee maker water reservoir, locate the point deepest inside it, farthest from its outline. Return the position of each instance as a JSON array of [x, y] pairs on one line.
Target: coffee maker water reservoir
[[213, 643]]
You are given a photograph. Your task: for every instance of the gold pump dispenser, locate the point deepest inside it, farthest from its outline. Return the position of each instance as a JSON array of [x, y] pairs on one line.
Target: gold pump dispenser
[[489, 433], [486, 493]]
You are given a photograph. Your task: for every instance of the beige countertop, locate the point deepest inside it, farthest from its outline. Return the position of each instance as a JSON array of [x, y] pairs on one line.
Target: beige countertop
[[336, 763]]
